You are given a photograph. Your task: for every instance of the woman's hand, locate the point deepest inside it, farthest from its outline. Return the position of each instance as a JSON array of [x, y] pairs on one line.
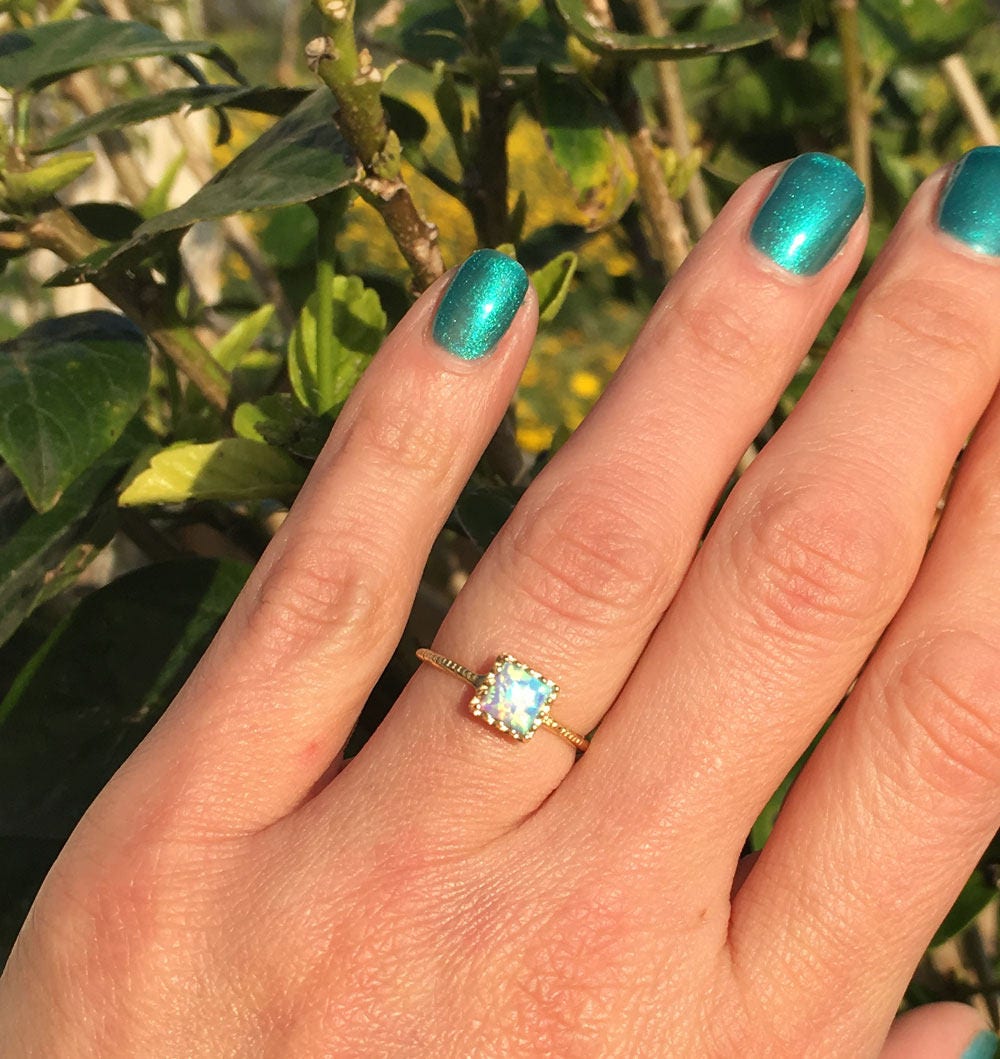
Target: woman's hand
[[453, 893]]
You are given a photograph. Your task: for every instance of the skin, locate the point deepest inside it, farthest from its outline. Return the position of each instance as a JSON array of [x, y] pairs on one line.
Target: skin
[[449, 893]]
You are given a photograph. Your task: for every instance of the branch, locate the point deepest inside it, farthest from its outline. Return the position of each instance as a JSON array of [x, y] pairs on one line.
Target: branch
[[139, 297], [356, 85], [858, 115], [672, 95], [970, 99], [662, 211]]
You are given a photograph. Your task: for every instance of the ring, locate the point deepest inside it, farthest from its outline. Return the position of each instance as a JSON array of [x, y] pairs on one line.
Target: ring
[[511, 697]]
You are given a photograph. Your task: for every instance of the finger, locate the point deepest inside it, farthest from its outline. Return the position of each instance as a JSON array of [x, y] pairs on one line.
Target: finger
[[940, 1031], [894, 808], [277, 693], [582, 571], [808, 561]]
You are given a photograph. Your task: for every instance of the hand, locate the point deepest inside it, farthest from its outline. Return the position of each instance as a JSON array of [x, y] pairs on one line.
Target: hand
[[452, 893]]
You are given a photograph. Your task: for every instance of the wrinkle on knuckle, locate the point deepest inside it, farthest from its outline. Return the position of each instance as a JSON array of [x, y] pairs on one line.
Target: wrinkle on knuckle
[[943, 710], [718, 330], [938, 325], [583, 559], [402, 433], [812, 563], [337, 600]]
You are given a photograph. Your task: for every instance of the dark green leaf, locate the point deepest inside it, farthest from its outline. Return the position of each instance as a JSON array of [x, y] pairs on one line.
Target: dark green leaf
[[642, 46], [33, 58], [975, 896], [110, 221], [68, 387], [918, 30], [300, 158], [482, 510], [276, 101], [96, 687], [40, 555]]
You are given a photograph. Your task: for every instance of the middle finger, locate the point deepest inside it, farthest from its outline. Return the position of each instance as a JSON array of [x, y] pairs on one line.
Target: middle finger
[[580, 575]]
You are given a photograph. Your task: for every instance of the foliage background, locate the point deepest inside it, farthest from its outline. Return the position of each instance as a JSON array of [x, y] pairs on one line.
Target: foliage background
[[145, 467]]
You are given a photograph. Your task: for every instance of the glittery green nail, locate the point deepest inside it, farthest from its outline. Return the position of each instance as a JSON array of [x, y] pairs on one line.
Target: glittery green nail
[[982, 1046], [479, 304], [806, 218], [970, 205]]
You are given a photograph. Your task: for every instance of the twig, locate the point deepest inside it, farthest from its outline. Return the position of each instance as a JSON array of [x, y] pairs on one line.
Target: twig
[[858, 116], [960, 80], [356, 85], [672, 95], [662, 211], [488, 184]]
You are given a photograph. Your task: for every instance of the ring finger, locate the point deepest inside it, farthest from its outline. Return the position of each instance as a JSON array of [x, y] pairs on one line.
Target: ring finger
[[580, 575]]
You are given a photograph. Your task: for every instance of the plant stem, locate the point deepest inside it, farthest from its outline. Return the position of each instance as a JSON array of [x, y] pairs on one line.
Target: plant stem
[[662, 211], [487, 198], [672, 95], [966, 92], [356, 85], [858, 116], [139, 297], [329, 211]]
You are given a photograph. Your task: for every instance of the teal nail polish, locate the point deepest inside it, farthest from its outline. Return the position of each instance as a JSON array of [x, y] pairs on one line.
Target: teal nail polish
[[806, 218], [970, 205], [479, 304], [982, 1046]]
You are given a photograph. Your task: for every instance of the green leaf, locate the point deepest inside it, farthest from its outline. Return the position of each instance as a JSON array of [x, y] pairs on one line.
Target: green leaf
[[552, 281], [232, 469], [68, 387], [300, 158], [769, 814], [359, 324], [230, 349], [583, 135], [91, 693], [279, 420], [975, 896], [42, 554], [32, 58], [643, 46], [110, 221], [897, 31], [276, 101], [482, 510]]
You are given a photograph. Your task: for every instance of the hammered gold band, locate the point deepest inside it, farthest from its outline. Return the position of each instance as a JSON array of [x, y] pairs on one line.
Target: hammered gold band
[[512, 697]]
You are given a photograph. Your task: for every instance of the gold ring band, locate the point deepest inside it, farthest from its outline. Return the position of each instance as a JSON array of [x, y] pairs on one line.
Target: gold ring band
[[511, 697]]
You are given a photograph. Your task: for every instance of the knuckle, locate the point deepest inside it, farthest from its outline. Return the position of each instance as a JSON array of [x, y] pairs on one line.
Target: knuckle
[[718, 328], [338, 600], [941, 704], [812, 563], [928, 316], [582, 559], [400, 434]]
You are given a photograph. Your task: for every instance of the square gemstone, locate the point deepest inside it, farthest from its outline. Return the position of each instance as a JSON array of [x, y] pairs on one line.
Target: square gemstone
[[514, 697]]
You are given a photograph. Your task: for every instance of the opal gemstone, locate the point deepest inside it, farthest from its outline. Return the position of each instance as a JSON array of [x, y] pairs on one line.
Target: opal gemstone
[[516, 697]]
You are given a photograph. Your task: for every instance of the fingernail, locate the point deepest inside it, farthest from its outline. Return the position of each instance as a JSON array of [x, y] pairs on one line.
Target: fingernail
[[806, 218], [479, 304], [982, 1046], [970, 205]]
